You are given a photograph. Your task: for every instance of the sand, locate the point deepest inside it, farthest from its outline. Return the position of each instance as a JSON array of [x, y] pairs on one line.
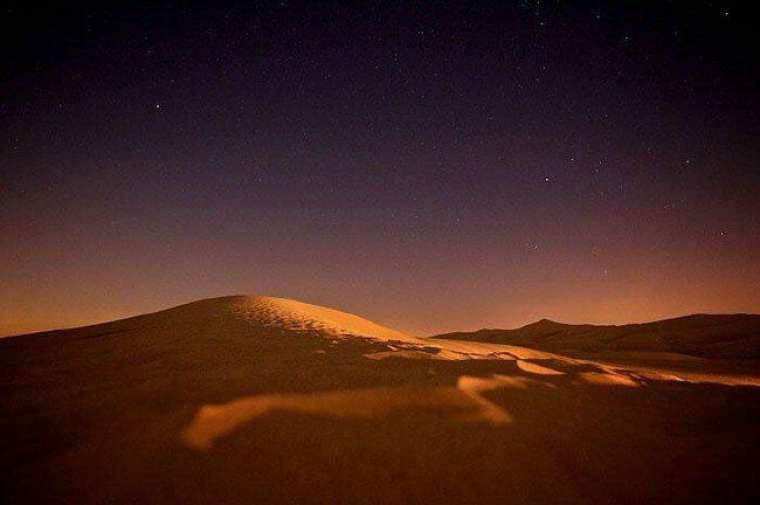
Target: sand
[[265, 400], [731, 336]]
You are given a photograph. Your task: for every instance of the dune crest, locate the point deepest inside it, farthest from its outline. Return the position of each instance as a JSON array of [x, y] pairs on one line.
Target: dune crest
[[304, 317]]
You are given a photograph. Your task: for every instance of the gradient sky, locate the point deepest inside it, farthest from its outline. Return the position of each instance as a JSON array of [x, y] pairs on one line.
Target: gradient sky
[[431, 168]]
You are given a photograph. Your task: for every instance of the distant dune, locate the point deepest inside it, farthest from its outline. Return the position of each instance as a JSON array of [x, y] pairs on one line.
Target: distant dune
[[253, 399], [707, 336]]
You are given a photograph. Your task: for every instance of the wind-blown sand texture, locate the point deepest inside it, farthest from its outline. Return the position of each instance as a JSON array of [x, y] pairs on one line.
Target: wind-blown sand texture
[[267, 400]]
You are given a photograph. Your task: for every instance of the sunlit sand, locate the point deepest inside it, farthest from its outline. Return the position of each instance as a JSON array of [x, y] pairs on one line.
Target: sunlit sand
[[214, 421]]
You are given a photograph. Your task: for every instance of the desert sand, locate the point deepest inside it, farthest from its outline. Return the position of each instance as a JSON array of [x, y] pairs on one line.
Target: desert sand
[[267, 400]]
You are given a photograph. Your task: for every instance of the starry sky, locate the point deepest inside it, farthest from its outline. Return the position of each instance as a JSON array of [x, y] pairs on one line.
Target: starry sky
[[431, 166]]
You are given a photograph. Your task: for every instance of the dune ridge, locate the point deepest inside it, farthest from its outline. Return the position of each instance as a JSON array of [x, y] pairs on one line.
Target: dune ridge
[[298, 316], [700, 335]]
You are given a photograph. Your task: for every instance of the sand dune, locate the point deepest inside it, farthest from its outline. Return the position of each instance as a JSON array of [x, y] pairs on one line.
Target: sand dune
[[702, 335], [265, 400]]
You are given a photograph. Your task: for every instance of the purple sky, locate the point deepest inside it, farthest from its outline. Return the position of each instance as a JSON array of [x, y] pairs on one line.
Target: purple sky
[[433, 169]]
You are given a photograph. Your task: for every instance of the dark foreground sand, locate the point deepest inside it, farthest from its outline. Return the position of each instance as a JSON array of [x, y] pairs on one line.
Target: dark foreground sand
[[201, 405]]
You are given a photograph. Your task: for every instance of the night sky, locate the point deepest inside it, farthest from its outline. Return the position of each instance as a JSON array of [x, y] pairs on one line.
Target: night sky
[[433, 168]]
